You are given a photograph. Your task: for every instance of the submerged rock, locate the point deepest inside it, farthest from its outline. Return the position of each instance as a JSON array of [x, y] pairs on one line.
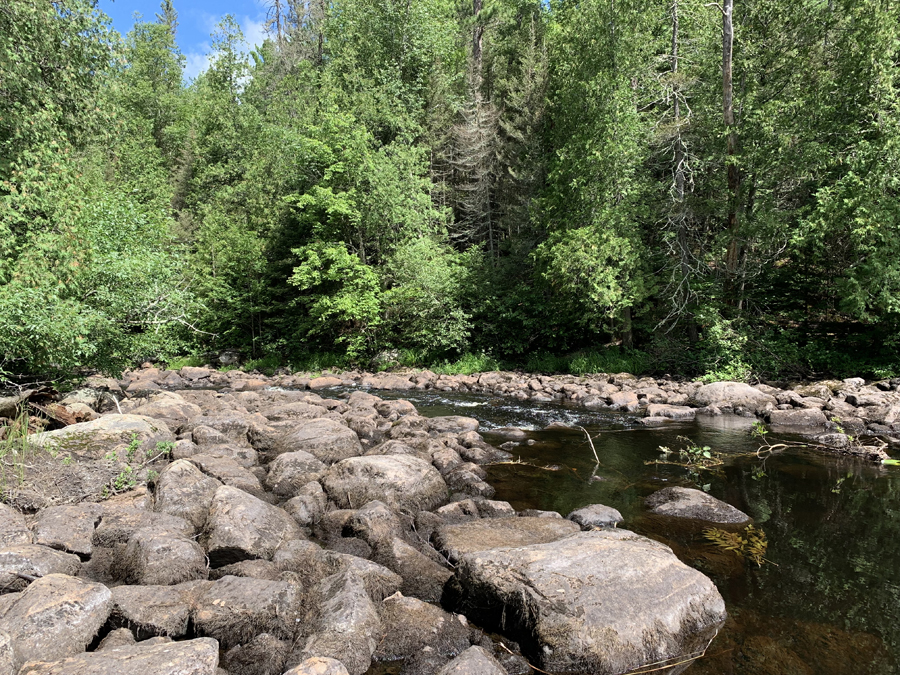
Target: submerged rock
[[603, 602], [680, 502]]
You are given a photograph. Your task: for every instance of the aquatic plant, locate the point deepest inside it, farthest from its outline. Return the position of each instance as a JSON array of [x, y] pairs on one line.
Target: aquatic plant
[[750, 544]]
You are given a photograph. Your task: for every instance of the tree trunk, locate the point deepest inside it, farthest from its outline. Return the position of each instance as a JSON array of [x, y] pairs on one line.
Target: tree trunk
[[733, 173]]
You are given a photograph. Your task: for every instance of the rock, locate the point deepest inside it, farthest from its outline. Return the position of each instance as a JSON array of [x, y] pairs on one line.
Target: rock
[[346, 623], [263, 655], [452, 424], [55, 617], [595, 515], [161, 558], [120, 522], [459, 512], [679, 502], [235, 609], [191, 657], [624, 400], [291, 471], [240, 527], [13, 530], [297, 410], [324, 383], [150, 611], [318, 665], [798, 418], [35, 561], [606, 601], [410, 626], [192, 374], [403, 483], [491, 508], [93, 440], [227, 471], [423, 578], [473, 661], [375, 524], [733, 395], [537, 513], [454, 541], [308, 506], [326, 439], [183, 490], [68, 528], [119, 637], [171, 409], [672, 412]]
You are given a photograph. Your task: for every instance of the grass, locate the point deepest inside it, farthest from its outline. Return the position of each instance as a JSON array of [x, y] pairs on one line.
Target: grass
[[15, 449], [609, 360], [467, 364], [185, 362]]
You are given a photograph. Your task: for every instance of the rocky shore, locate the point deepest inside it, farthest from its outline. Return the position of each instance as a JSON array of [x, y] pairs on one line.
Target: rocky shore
[[209, 523]]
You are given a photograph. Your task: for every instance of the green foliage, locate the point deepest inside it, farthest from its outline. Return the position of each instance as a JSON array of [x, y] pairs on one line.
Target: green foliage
[[468, 364]]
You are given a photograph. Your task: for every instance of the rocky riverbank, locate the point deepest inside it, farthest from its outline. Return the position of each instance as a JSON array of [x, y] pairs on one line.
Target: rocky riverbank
[[208, 523]]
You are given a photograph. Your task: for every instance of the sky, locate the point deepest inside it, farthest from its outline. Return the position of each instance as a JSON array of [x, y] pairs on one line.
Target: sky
[[196, 21]]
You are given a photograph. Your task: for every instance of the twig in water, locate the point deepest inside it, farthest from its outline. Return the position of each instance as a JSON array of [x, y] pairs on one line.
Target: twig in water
[[591, 441]]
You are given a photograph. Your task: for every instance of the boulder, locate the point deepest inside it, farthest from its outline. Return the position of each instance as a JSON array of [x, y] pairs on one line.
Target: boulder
[[228, 472], [607, 601], [13, 530], [810, 417], [473, 661], [93, 440], [120, 521], [454, 541], [171, 409], [624, 400], [291, 471], [410, 626], [149, 611], [235, 609], [452, 424], [734, 395], [679, 502], [298, 410], [68, 528], [240, 527], [672, 412], [403, 483], [326, 439], [423, 578], [160, 557], [191, 657], [324, 383], [595, 515], [346, 625], [318, 665], [375, 524], [33, 560], [184, 491], [263, 655], [55, 617], [491, 508], [191, 374], [118, 637], [308, 506]]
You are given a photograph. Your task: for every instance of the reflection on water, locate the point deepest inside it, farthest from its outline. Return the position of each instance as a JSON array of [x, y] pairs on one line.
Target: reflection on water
[[829, 601]]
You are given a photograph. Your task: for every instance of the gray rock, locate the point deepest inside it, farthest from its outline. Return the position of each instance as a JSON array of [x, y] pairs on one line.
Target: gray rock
[[733, 395], [150, 611], [452, 424], [298, 410], [55, 617], [240, 527], [423, 578], [318, 665], [308, 506], [35, 561], [171, 409], [254, 569], [624, 400], [798, 418], [473, 661], [673, 412], [595, 515], [346, 624], [606, 601], [13, 530], [161, 558], [229, 472], [410, 626], [679, 502], [491, 508], [291, 471], [375, 524], [454, 541], [184, 491], [191, 657], [120, 521], [326, 439], [68, 528], [93, 440], [263, 655], [118, 637], [235, 609], [403, 483]]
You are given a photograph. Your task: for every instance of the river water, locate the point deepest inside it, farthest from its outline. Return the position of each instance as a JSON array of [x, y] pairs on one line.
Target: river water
[[826, 602]]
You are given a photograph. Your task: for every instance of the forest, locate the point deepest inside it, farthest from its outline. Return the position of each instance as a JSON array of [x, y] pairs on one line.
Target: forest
[[677, 187]]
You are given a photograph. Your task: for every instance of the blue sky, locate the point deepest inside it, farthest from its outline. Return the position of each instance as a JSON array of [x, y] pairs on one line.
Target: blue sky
[[196, 20]]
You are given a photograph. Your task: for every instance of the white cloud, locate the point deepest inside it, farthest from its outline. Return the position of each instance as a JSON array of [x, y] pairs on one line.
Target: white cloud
[[196, 62], [254, 31], [198, 59]]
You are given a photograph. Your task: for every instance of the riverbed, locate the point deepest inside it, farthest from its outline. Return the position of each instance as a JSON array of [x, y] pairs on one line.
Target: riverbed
[[827, 597]]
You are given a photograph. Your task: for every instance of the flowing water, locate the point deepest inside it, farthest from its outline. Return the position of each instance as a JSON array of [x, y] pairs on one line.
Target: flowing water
[[827, 599]]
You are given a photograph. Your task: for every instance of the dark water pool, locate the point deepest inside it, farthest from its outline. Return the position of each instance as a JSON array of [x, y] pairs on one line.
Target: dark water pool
[[827, 603]]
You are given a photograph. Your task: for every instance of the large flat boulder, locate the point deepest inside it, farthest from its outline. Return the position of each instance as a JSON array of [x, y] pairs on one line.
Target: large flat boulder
[[403, 483], [55, 617], [679, 502], [603, 602], [291, 471], [68, 528], [454, 541], [182, 490], [93, 440], [327, 440], [191, 657], [734, 395], [169, 408]]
